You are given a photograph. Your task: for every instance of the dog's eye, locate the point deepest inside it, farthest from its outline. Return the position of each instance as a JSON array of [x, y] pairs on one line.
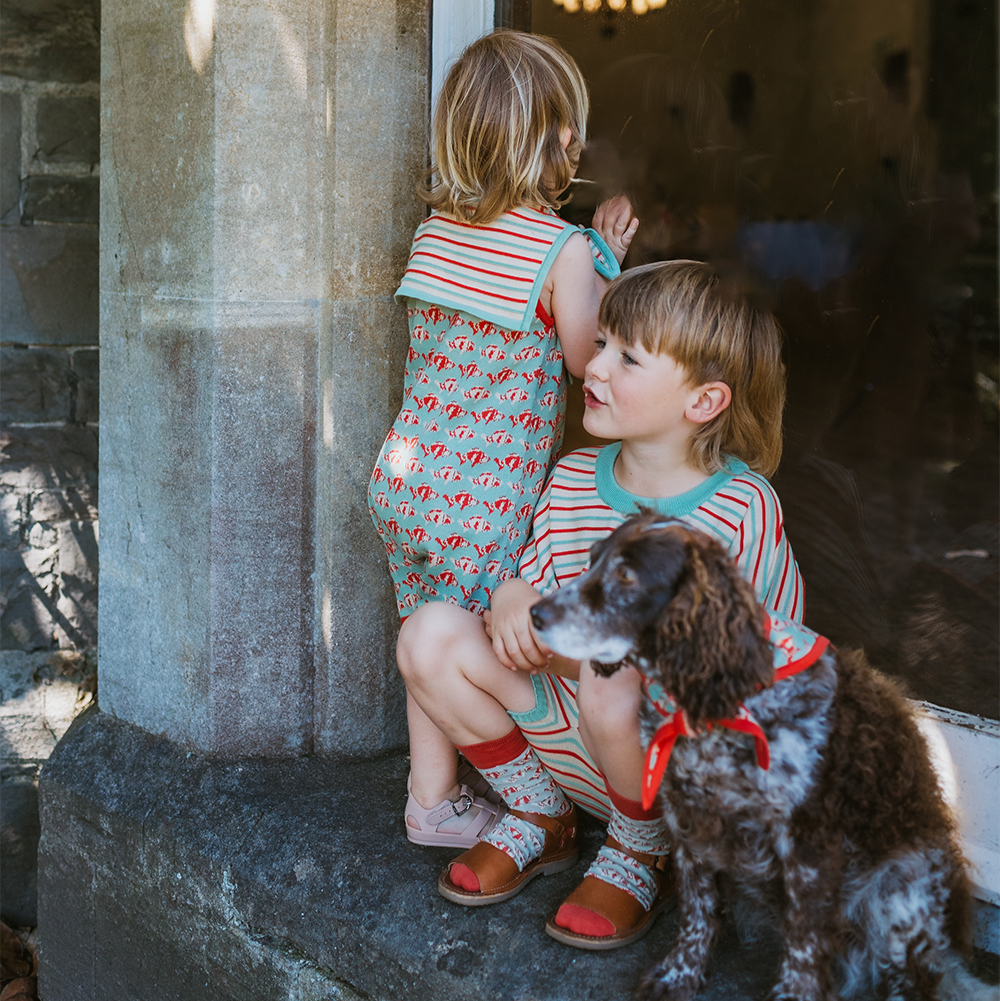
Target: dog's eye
[[626, 576]]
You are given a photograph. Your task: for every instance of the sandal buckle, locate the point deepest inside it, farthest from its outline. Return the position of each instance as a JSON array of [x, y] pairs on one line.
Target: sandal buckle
[[462, 805]]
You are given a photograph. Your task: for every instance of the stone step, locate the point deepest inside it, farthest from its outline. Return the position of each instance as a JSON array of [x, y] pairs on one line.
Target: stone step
[[166, 875]]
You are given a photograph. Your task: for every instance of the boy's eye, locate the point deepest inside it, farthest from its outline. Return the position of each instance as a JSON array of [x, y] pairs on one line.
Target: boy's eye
[[628, 359], [601, 343]]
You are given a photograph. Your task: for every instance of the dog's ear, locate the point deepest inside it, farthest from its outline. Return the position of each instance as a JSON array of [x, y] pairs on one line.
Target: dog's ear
[[713, 652]]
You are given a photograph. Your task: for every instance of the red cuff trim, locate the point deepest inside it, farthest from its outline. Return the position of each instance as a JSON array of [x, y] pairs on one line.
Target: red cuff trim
[[491, 753], [632, 808]]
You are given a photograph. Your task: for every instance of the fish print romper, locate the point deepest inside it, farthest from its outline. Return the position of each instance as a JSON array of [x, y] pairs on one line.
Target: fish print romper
[[458, 477]]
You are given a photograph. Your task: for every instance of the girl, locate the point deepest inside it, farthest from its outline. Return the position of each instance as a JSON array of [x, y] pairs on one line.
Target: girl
[[500, 295]]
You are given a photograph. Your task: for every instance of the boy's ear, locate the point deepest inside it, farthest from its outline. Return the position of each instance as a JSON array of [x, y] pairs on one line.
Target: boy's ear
[[713, 398]]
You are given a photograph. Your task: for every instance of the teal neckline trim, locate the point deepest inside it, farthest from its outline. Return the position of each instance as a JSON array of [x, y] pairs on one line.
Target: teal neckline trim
[[674, 507]]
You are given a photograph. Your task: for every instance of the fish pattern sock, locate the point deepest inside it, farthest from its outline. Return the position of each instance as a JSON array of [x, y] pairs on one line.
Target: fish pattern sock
[[514, 771], [638, 830]]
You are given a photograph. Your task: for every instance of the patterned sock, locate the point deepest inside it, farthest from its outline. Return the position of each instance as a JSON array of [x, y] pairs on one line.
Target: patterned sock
[[513, 769], [641, 831]]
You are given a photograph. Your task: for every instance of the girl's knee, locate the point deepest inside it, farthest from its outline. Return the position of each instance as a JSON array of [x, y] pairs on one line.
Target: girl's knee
[[416, 637], [425, 636]]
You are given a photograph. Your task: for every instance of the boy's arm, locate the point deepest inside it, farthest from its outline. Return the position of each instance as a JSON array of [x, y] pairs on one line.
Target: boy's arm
[[508, 623]]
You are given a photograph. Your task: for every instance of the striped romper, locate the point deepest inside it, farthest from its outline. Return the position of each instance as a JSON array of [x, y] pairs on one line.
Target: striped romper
[[460, 472], [581, 504]]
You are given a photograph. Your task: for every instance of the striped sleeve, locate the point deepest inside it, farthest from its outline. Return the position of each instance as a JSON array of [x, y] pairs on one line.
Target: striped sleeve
[[762, 551]]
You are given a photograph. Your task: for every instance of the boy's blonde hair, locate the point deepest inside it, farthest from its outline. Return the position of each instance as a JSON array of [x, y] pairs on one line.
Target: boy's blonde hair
[[685, 309], [497, 127]]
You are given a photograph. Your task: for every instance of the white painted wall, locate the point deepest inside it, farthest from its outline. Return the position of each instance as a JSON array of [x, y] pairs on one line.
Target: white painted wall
[[455, 23], [966, 753]]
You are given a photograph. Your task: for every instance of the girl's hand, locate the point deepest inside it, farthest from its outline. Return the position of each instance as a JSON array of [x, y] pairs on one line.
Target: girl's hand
[[616, 224], [509, 627]]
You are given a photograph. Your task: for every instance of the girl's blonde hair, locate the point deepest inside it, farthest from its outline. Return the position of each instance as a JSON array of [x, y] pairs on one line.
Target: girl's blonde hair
[[685, 309], [497, 128]]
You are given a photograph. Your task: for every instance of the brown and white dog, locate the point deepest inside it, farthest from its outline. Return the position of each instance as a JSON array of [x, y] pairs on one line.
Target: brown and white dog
[[806, 788]]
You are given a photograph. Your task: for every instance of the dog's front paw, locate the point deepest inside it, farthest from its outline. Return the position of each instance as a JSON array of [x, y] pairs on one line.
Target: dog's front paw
[[669, 983], [805, 992], [802, 983]]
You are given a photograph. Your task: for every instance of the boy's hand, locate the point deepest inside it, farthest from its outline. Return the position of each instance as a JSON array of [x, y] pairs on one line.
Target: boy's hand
[[509, 627], [614, 221]]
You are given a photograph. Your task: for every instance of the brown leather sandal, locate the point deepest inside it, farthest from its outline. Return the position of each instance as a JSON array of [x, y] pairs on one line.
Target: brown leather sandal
[[499, 877], [630, 919]]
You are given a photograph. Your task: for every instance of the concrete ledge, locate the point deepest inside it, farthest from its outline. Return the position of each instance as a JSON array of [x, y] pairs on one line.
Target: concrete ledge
[[165, 875]]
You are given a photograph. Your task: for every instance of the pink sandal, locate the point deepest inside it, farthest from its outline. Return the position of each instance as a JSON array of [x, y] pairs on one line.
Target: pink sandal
[[458, 824]]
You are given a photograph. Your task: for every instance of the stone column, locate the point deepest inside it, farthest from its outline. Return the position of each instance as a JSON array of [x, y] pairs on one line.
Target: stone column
[[258, 166]]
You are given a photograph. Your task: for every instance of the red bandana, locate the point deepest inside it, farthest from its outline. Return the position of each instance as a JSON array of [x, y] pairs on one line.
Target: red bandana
[[795, 648]]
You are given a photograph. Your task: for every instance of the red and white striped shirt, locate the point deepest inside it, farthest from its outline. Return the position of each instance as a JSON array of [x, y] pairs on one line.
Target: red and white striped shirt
[[582, 504]]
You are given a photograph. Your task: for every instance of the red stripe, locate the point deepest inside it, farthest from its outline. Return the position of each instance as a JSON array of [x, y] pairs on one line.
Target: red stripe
[[763, 529], [539, 222], [784, 577], [468, 288], [493, 229], [718, 517], [471, 246], [472, 267]]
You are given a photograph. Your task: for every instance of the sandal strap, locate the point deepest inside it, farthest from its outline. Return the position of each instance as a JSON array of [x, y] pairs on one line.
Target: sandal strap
[[619, 906], [658, 863], [448, 809], [562, 828]]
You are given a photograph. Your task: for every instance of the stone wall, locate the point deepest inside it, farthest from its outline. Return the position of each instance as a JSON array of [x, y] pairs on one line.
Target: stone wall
[[49, 152], [50, 61]]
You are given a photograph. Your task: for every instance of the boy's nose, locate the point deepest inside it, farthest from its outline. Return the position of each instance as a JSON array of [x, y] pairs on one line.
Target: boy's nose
[[595, 368]]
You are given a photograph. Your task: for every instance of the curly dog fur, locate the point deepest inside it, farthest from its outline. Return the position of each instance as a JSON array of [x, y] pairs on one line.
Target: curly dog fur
[[846, 835]]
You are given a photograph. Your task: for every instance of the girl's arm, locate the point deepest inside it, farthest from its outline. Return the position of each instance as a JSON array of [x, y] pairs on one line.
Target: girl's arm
[[509, 626], [574, 288]]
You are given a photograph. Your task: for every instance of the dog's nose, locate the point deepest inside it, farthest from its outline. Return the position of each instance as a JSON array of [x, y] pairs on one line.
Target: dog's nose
[[543, 615]]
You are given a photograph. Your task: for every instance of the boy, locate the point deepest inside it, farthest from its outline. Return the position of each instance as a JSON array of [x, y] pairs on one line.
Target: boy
[[689, 378]]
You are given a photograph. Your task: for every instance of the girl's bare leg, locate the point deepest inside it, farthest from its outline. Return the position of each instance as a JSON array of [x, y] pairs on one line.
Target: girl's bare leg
[[433, 759]]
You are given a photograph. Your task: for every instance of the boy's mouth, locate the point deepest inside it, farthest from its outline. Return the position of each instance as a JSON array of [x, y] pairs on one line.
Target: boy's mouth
[[590, 399]]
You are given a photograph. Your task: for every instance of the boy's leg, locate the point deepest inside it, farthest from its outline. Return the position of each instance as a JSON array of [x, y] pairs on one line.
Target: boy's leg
[[453, 674], [631, 880]]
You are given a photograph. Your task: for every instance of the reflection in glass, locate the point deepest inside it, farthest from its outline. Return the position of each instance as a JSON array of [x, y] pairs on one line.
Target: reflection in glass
[[841, 158]]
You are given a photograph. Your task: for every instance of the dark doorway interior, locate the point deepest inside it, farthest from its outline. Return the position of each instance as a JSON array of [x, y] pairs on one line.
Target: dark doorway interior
[[842, 156]]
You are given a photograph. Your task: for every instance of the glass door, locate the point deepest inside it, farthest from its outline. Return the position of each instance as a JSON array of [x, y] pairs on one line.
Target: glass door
[[841, 156]]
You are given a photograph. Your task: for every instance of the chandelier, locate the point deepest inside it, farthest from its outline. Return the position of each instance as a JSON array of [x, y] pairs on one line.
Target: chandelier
[[592, 6]]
